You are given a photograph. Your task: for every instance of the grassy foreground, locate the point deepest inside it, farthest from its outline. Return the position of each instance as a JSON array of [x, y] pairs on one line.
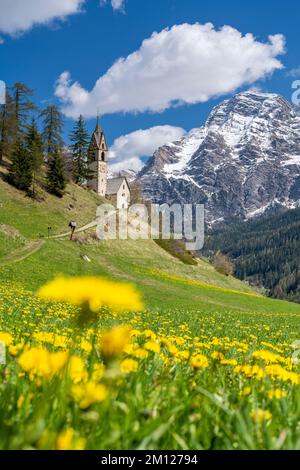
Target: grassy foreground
[[206, 365], [183, 379]]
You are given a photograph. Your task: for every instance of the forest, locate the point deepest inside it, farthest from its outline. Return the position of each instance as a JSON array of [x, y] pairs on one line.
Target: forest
[[32, 149], [265, 252]]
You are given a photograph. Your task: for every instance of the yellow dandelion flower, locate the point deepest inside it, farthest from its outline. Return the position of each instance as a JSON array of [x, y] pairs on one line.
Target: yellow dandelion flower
[[229, 362], [152, 346], [278, 394], [86, 346], [98, 372], [278, 372], [150, 334], [67, 440], [94, 292], [14, 350], [6, 338], [140, 353], [76, 370], [173, 350], [260, 416], [114, 342], [40, 362], [198, 361], [89, 393], [183, 354], [251, 372], [217, 356], [269, 357], [129, 365], [245, 392]]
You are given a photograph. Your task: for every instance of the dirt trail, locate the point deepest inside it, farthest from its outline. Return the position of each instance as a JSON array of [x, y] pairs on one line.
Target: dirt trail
[[79, 230], [31, 247]]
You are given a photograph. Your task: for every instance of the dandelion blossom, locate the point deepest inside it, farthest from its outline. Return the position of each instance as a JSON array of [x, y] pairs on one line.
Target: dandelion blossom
[[94, 292], [113, 342]]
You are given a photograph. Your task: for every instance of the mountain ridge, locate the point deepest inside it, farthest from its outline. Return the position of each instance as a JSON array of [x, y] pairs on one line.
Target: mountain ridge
[[243, 162]]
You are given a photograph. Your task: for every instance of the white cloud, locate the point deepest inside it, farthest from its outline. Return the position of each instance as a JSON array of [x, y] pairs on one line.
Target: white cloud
[[116, 4], [184, 64], [18, 16], [294, 73], [127, 150]]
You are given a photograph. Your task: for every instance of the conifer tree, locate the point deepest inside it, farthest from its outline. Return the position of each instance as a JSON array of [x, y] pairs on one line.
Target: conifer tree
[[80, 142], [7, 128], [53, 130], [34, 146], [23, 106], [20, 173], [53, 145], [56, 180]]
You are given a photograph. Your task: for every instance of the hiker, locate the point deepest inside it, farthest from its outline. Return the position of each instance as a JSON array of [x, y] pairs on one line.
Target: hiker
[[72, 226]]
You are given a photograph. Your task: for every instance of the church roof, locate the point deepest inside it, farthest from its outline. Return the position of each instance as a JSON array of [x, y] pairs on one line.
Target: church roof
[[114, 184], [98, 133]]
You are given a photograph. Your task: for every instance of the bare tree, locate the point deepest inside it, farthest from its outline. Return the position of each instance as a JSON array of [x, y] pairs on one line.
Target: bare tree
[[223, 264]]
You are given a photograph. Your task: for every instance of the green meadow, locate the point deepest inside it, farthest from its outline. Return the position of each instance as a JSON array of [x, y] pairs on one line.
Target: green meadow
[[207, 363]]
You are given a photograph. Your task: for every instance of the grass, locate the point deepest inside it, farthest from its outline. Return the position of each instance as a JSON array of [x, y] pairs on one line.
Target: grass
[[9, 244], [164, 281], [32, 218], [207, 365], [169, 389], [177, 249]]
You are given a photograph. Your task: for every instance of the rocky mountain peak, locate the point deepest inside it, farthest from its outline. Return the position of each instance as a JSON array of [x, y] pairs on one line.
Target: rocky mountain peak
[[244, 161]]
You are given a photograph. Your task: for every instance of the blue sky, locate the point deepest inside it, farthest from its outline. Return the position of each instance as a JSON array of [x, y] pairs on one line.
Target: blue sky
[[88, 43]]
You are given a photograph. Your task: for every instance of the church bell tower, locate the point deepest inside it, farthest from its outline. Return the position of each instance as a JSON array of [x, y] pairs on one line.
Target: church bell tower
[[97, 158]]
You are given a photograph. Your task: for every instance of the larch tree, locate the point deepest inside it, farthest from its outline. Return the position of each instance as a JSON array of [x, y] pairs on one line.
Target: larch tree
[[7, 128], [23, 107], [53, 123]]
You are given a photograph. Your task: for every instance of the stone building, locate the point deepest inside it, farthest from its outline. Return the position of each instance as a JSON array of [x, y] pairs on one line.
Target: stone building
[[97, 158], [117, 190]]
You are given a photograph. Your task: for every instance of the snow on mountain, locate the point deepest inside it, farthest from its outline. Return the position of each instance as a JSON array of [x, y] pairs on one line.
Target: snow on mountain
[[243, 162], [129, 174]]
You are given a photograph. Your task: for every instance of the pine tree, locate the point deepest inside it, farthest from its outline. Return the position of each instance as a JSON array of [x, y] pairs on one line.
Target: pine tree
[[34, 146], [80, 142], [20, 173], [53, 130], [56, 181]]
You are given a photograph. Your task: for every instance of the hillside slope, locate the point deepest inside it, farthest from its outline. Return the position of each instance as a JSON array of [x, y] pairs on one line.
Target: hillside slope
[[32, 218], [30, 259]]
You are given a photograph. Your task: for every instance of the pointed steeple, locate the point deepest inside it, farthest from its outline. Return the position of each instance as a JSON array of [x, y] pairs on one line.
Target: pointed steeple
[[98, 129]]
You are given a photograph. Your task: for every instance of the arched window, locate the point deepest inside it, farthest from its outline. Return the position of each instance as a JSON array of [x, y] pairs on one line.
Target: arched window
[[103, 157]]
